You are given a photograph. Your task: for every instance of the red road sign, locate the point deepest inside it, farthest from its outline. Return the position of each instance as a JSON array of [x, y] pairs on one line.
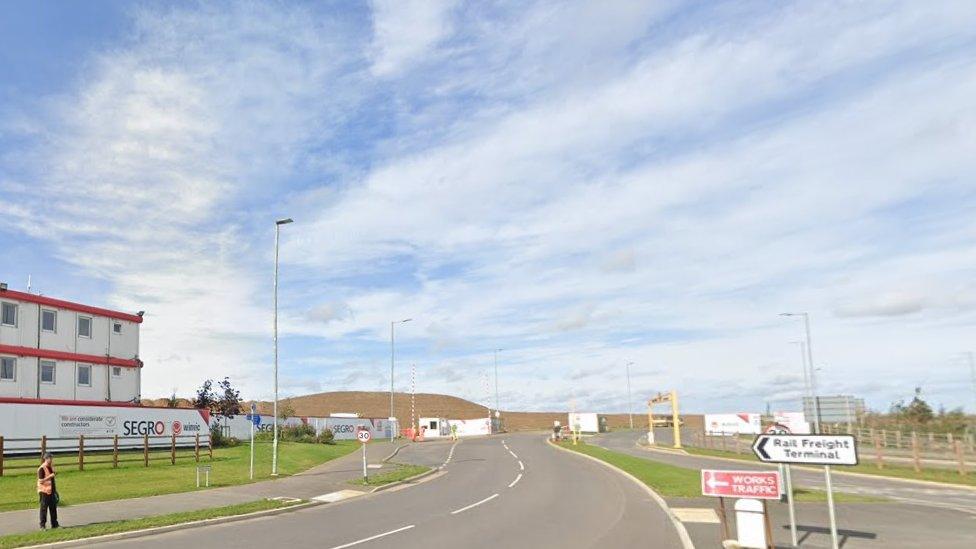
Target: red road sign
[[740, 484]]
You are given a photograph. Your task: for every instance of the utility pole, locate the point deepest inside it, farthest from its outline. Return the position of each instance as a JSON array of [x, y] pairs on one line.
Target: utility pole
[[392, 363], [630, 406], [497, 408], [274, 449]]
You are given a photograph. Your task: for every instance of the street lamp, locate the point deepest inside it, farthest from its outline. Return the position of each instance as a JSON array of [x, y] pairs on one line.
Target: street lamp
[[392, 361], [812, 376], [630, 406], [274, 450], [497, 412]]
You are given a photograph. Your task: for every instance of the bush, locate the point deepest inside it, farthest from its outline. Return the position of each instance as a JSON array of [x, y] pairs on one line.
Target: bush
[[326, 437], [219, 440], [298, 433]]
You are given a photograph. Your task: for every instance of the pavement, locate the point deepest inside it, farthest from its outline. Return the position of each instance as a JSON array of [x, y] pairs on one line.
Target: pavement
[[513, 491], [917, 515], [326, 478]]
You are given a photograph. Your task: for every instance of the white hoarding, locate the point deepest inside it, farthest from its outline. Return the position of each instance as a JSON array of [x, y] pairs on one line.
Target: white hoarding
[[588, 422], [342, 428], [471, 427], [733, 424], [793, 421], [64, 423]]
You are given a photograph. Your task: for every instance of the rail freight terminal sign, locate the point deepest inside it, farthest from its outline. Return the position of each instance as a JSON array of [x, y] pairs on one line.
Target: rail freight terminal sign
[[808, 449], [740, 484]]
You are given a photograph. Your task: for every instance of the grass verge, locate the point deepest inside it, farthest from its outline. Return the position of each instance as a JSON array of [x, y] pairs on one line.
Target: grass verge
[[400, 473], [115, 527], [673, 481], [100, 482], [947, 476]]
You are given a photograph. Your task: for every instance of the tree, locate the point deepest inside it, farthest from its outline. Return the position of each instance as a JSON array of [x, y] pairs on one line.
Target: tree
[[285, 412], [205, 399], [229, 402], [917, 411], [172, 401]]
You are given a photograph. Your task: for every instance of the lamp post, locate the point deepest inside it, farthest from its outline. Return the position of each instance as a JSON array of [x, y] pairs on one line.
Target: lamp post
[[630, 407], [392, 362], [811, 376], [497, 412], [274, 449]]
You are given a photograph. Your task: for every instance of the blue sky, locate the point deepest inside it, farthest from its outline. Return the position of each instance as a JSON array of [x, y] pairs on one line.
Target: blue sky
[[580, 184]]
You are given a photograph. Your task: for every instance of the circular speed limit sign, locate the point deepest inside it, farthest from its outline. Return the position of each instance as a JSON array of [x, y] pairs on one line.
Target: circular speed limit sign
[[364, 436]]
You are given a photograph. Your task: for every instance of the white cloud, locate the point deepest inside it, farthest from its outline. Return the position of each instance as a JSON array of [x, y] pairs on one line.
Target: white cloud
[[404, 32]]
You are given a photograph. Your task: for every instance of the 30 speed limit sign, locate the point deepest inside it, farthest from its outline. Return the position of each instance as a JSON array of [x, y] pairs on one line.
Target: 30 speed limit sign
[[364, 436]]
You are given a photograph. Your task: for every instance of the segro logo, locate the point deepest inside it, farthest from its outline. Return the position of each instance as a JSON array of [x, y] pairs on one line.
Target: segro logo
[[130, 428]]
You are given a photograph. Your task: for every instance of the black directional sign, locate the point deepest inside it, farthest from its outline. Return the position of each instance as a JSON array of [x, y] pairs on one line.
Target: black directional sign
[[810, 449]]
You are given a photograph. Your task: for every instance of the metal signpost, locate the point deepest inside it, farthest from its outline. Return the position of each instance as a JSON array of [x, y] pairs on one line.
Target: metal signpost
[[255, 421], [364, 435], [723, 484], [823, 450]]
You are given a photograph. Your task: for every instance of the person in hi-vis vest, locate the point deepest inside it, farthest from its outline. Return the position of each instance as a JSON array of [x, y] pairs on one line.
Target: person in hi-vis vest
[[47, 491]]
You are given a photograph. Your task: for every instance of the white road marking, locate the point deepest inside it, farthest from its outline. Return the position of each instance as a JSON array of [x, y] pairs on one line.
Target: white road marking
[[514, 482], [521, 466], [333, 497], [463, 509], [513, 454], [377, 536], [450, 455]]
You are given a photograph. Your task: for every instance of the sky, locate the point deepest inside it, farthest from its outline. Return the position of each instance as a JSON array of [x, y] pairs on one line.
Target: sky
[[582, 185]]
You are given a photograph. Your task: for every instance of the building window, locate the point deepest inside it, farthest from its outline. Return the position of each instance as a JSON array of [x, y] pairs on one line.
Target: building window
[[49, 321], [116, 371], [85, 326], [117, 327], [48, 368], [84, 375], [8, 317], [8, 368]]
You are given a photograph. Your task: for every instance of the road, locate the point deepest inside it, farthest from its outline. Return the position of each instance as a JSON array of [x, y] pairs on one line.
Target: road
[[921, 516], [959, 499], [514, 491]]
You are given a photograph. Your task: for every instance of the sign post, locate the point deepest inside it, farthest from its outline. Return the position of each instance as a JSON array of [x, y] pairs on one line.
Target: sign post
[[752, 485], [364, 435], [823, 450], [255, 420]]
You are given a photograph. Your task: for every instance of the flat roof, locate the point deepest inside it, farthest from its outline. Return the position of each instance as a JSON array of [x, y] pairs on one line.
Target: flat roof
[[71, 306]]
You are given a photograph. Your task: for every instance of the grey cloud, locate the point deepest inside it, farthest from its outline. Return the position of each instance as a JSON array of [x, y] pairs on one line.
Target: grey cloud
[[884, 305], [330, 312]]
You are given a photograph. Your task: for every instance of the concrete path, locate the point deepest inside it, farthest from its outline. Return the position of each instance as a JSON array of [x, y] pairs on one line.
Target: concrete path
[[511, 491], [328, 477], [919, 516]]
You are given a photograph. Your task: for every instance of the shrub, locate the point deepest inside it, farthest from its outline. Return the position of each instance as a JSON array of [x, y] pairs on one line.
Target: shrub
[[298, 433], [326, 437]]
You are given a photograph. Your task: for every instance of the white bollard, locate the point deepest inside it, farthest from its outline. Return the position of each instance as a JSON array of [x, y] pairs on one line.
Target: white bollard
[[749, 523], [650, 438]]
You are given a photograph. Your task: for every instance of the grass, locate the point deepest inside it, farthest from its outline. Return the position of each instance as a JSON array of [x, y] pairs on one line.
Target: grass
[[673, 481], [100, 482], [400, 473], [948, 476], [114, 527]]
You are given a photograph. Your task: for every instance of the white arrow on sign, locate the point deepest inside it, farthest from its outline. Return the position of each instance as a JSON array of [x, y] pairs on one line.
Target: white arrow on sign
[[810, 449], [712, 483]]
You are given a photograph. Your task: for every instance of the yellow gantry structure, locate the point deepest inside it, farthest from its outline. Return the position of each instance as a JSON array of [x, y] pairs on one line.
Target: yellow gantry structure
[[664, 398]]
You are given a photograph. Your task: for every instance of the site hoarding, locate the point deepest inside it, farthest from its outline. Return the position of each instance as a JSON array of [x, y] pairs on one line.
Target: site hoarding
[[64, 423], [342, 428], [733, 424], [587, 422]]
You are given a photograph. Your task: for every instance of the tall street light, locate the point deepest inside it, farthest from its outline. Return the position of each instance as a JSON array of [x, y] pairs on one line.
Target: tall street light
[[812, 376], [630, 406], [497, 412], [392, 362], [274, 450]]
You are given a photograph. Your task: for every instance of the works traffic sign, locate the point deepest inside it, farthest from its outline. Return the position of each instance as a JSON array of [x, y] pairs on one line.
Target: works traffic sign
[[363, 435], [809, 449], [740, 484]]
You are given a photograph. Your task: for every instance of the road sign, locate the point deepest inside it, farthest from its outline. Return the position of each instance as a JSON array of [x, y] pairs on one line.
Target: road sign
[[363, 435], [740, 484], [809, 449]]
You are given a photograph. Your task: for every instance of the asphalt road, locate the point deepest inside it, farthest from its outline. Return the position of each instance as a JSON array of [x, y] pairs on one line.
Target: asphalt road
[[513, 492], [958, 499], [920, 516]]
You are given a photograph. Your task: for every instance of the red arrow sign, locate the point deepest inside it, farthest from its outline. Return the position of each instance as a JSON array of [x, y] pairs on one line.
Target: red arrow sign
[[740, 484]]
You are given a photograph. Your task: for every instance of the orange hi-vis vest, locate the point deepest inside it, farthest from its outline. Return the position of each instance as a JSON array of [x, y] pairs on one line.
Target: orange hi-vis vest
[[44, 486]]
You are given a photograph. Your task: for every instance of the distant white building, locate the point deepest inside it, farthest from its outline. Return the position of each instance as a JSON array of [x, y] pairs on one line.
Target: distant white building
[[54, 350]]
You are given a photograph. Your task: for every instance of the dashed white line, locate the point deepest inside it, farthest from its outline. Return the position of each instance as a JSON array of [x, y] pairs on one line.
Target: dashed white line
[[377, 536], [463, 509], [514, 482], [513, 454], [450, 455], [521, 466]]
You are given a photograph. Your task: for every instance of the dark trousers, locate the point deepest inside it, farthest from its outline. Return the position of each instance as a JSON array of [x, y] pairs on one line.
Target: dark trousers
[[49, 504]]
